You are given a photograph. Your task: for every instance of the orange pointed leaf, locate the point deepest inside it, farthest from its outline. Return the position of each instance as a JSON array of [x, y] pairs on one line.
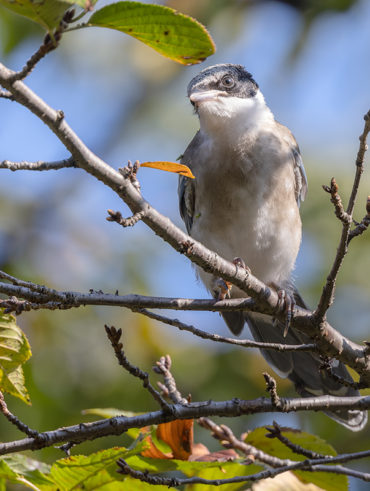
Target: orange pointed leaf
[[179, 436], [170, 167]]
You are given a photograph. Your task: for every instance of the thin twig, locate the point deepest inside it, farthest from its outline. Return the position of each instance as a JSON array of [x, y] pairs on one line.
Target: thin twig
[[246, 343], [15, 421], [326, 365], [116, 216], [37, 166], [276, 432], [5, 94], [226, 437], [51, 42], [363, 225], [327, 295], [337, 201], [307, 465], [114, 336], [272, 389], [163, 367]]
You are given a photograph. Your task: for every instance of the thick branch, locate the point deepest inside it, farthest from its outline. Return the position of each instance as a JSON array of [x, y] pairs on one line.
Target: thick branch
[[194, 410]]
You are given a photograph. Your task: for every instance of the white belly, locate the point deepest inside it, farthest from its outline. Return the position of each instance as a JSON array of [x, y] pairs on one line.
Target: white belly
[[246, 217]]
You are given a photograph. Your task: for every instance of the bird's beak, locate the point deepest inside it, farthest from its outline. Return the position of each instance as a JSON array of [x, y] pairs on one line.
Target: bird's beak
[[205, 95]]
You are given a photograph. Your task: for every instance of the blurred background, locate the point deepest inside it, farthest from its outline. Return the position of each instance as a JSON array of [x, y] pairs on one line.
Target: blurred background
[[311, 60]]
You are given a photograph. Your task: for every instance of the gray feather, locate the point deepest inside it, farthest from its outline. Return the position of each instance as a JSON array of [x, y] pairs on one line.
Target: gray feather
[[303, 367]]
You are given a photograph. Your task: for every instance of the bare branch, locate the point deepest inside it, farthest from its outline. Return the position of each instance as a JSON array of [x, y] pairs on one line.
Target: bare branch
[[15, 421], [193, 410], [307, 465], [37, 166], [363, 225], [4, 94], [326, 365], [327, 295], [246, 343], [114, 336], [272, 389], [116, 216], [337, 201], [276, 432], [163, 367], [228, 440]]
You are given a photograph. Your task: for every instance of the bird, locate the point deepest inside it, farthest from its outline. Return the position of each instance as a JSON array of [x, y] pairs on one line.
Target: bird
[[244, 205]]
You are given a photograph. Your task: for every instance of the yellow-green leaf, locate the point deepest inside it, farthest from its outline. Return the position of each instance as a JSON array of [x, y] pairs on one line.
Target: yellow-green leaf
[[14, 352], [47, 13], [272, 446], [169, 32], [181, 169]]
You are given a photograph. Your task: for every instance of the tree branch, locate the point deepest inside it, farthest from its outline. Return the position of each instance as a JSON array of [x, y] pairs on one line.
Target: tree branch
[[15, 421], [114, 336], [193, 410], [226, 437], [37, 166], [306, 465], [327, 295]]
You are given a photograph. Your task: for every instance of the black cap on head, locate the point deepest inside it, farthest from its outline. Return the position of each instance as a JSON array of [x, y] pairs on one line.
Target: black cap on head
[[234, 80]]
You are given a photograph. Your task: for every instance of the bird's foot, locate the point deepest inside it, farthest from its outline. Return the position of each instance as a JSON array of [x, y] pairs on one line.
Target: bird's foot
[[286, 304], [222, 288]]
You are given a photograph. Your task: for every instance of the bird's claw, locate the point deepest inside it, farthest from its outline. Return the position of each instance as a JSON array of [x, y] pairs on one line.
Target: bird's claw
[[222, 288], [286, 303]]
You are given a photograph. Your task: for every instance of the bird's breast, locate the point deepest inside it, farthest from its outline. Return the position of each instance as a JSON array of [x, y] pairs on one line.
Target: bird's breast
[[244, 209]]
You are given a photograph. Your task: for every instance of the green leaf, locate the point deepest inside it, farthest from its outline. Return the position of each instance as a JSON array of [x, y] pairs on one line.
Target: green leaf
[[47, 13], [14, 352], [169, 32], [109, 412], [272, 446], [20, 469], [94, 471]]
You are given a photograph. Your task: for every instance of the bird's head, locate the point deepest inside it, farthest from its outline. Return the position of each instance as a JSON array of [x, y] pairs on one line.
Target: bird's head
[[226, 92]]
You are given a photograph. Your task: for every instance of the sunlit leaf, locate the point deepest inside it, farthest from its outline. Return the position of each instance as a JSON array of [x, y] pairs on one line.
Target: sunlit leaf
[[19, 469], [94, 471], [169, 32], [109, 412], [47, 13], [181, 169], [14, 352], [272, 446]]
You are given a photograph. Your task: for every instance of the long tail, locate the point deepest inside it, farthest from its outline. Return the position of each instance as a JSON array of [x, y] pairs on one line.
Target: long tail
[[301, 367]]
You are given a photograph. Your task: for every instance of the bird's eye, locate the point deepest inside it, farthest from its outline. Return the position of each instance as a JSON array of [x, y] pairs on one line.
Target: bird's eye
[[227, 81]]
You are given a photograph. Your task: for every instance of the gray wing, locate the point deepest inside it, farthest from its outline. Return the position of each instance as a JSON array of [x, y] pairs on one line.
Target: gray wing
[[186, 201], [300, 176], [186, 187], [299, 172]]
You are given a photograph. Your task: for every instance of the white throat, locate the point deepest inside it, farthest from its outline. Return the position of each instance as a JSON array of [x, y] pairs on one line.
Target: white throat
[[231, 117]]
